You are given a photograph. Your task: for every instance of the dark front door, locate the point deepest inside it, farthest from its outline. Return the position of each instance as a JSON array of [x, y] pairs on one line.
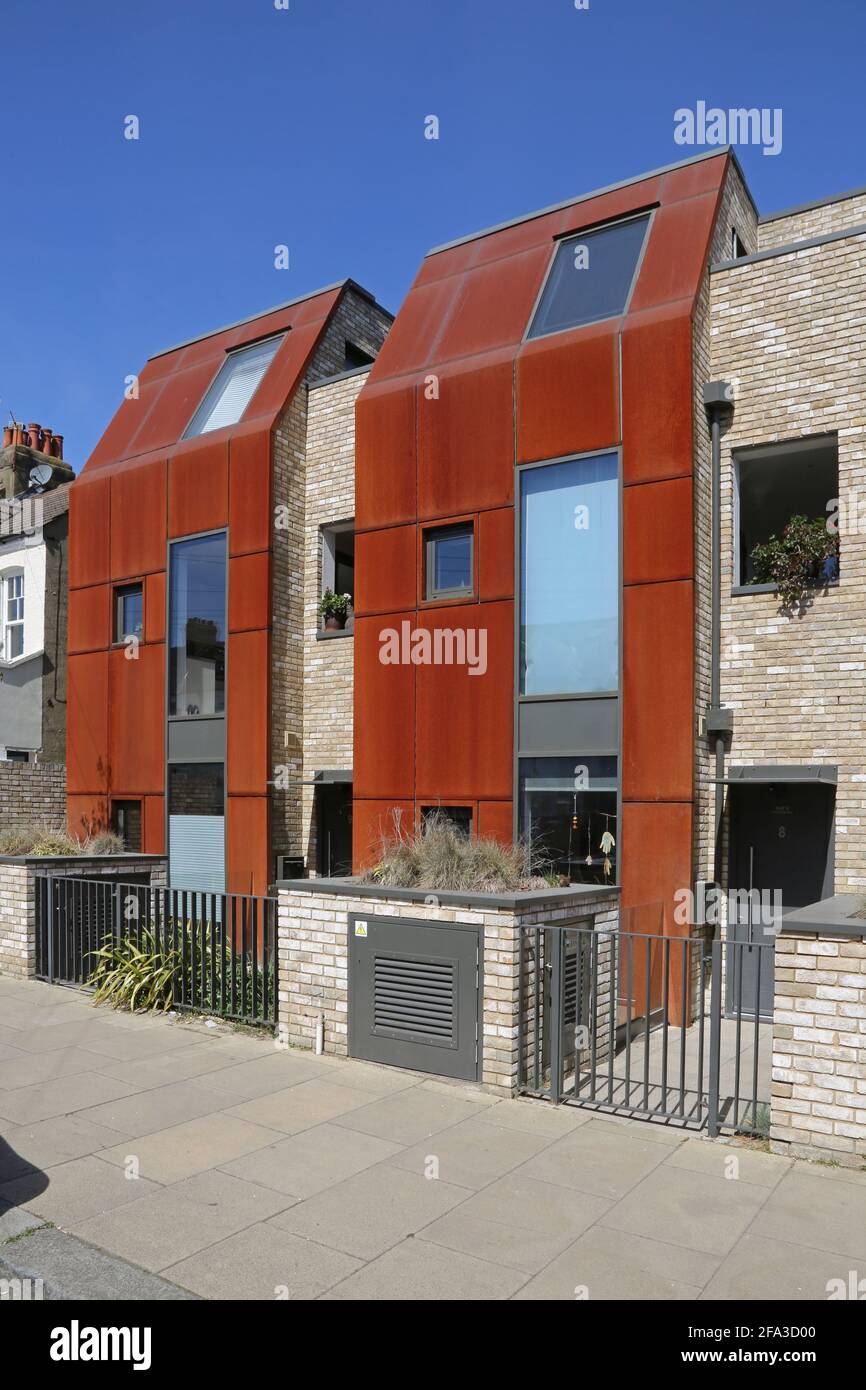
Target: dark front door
[[780, 844], [335, 830]]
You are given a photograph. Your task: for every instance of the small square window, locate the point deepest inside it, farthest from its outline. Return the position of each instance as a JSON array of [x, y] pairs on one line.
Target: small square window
[[356, 357], [338, 574], [448, 561], [17, 755], [777, 482], [460, 817], [233, 388], [738, 250], [591, 277], [126, 822], [128, 613]]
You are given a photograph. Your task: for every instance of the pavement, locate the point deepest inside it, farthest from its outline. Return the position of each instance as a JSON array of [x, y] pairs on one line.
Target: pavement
[[143, 1158]]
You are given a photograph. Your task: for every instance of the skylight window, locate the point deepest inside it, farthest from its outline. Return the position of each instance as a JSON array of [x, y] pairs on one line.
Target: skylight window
[[591, 277], [233, 387]]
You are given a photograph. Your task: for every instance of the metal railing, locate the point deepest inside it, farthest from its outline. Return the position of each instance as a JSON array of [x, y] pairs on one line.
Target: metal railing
[[222, 945], [635, 1023]]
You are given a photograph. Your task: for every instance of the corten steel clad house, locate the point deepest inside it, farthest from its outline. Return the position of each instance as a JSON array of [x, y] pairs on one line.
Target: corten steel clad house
[[537, 449], [187, 599]]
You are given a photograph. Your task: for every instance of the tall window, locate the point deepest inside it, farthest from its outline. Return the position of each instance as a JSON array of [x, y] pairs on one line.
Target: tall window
[[13, 616], [569, 578], [128, 612], [448, 562], [591, 277], [197, 626], [233, 388]]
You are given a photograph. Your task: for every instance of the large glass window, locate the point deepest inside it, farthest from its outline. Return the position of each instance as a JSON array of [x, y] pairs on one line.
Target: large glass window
[[568, 806], [591, 277], [569, 578], [197, 625], [233, 387], [196, 826]]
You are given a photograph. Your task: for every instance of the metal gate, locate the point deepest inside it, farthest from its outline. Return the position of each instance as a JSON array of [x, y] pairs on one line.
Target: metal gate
[[633, 1023], [222, 945], [414, 994]]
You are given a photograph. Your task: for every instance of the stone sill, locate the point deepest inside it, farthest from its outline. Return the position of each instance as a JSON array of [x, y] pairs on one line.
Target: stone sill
[[323, 636], [577, 894], [740, 590], [36, 859], [829, 917]]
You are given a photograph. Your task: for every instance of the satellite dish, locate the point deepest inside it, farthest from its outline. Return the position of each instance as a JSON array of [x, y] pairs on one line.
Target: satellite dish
[[41, 475]]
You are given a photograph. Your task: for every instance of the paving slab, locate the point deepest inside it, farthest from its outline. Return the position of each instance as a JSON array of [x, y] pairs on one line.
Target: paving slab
[[262, 1075], [263, 1262], [598, 1158], [60, 1096], [175, 1222], [146, 1111], [51, 1141], [810, 1211], [168, 1155], [762, 1267], [697, 1211], [302, 1106], [31, 1068], [80, 1188], [532, 1206], [471, 1154], [312, 1161], [370, 1212], [720, 1159], [409, 1116], [608, 1264], [419, 1270], [520, 1248]]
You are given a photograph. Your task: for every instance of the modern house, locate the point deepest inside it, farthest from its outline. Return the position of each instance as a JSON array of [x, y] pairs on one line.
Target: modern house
[[34, 502], [206, 718], [543, 489], [538, 445]]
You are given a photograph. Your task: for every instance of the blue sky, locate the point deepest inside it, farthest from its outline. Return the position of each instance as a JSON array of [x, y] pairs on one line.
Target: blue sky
[[305, 127]]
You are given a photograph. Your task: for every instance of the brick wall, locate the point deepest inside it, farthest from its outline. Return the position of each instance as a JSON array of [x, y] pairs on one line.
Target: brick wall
[[313, 965], [819, 1049], [32, 792], [18, 897], [328, 662], [799, 226], [789, 330]]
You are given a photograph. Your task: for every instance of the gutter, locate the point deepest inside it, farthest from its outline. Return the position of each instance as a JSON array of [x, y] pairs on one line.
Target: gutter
[[718, 401]]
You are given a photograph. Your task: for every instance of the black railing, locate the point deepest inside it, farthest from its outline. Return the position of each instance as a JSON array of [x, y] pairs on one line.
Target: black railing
[[633, 1023], [221, 947]]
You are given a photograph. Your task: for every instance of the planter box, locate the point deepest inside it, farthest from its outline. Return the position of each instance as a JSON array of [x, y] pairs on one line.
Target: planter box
[[313, 934], [18, 874]]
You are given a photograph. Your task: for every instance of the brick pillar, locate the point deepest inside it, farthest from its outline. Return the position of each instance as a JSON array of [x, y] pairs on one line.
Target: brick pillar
[[819, 1046]]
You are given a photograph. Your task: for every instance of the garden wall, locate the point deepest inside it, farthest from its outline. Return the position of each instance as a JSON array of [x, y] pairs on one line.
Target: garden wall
[[819, 1040], [313, 928], [18, 876]]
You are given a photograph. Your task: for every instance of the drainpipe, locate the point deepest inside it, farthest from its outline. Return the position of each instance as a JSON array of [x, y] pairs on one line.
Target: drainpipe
[[718, 400]]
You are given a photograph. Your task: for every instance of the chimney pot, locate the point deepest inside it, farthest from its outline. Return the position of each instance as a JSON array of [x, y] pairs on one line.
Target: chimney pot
[[46, 441], [7, 436], [18, 434], [34, 435], [58, 446]]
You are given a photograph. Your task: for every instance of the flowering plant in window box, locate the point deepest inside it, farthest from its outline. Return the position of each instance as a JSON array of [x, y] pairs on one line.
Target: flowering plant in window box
[[335, 609]]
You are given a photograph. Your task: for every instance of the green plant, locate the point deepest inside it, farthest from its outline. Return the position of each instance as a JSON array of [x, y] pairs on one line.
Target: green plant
[[441, 857], [132, 976], [53, 842], [44, 839], [335, 605], [794, 561]]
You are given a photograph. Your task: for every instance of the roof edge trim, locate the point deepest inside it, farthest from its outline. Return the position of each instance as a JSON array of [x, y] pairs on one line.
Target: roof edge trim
[[346, 284], [597, 193], [817, 203]]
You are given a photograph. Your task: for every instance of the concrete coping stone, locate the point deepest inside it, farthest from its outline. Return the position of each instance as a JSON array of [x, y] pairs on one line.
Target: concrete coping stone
[[38, 859], [576, 895], [829, 917]]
